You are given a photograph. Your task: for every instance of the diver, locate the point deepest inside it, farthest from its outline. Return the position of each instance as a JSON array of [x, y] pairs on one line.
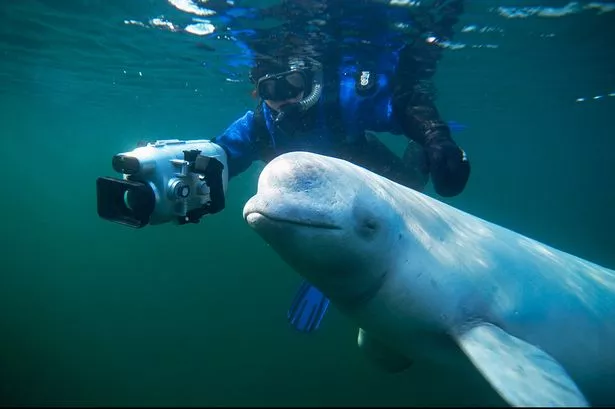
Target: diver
[[332, 109]]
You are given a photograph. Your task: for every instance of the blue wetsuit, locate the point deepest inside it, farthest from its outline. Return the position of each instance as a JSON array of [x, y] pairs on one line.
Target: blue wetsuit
[[239, 139]]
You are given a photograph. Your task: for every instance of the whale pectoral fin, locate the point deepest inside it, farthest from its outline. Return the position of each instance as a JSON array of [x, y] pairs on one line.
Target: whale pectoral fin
[[520, 372], [381, 355]]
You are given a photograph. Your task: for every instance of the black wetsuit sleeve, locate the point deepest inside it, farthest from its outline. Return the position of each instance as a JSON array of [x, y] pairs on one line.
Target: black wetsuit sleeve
[[413, 103]]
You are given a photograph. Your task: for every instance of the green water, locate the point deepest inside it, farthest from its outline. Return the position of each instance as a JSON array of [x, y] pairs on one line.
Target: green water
[[93, 313]]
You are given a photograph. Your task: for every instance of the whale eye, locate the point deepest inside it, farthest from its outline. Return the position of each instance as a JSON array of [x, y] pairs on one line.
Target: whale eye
[[367, 223], [370, 224]]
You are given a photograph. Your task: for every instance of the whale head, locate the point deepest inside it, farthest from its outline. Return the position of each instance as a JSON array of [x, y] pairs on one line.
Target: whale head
[[328, 222]]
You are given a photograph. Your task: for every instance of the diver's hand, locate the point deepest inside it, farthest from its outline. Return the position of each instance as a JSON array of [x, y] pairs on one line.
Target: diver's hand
[[449, 167]]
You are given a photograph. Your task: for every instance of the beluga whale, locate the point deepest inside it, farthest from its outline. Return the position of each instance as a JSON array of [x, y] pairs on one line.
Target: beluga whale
[[425, 281]]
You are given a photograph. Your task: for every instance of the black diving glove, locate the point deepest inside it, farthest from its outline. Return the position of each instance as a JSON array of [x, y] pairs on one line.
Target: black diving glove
[[448, 164]]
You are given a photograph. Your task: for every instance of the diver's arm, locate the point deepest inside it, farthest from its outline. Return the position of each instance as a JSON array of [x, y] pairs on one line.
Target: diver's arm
[[414, 107], [237, 142]]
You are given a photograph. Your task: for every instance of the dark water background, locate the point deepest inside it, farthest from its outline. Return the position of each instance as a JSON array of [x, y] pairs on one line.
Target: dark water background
[[93, 313]]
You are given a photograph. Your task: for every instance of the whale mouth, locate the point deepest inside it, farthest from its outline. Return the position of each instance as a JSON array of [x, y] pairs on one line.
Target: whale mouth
[[256, 217]]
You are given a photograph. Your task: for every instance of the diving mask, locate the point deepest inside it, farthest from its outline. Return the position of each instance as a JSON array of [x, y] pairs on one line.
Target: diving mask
[[282, 86]]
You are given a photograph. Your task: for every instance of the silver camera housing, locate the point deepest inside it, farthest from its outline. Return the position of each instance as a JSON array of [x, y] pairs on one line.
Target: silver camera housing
[[164, 181]]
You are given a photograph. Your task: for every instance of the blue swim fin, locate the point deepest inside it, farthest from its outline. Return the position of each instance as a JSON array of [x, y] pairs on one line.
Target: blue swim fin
[[307, 309]]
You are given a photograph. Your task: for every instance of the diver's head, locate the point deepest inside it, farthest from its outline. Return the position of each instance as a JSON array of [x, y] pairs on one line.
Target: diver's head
[[292, 82]]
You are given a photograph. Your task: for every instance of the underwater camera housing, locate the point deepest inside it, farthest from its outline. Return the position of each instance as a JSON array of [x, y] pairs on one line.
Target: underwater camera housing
[[164, 181]]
